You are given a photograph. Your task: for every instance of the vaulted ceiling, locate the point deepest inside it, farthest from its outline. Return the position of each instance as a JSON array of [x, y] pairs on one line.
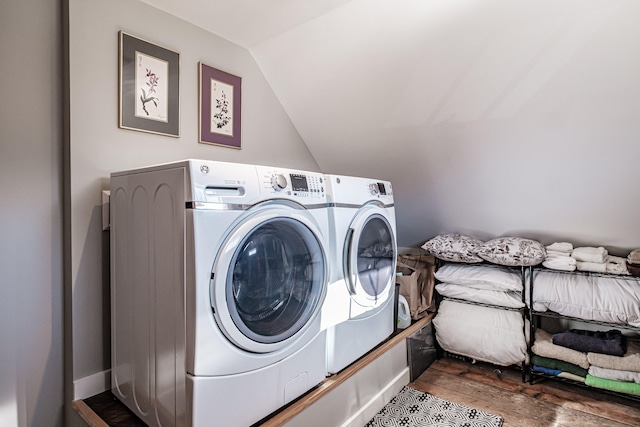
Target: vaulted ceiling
[[491, 117], [247, 22]]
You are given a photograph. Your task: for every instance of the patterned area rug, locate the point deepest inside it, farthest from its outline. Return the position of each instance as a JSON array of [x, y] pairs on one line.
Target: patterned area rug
[[413, 408]]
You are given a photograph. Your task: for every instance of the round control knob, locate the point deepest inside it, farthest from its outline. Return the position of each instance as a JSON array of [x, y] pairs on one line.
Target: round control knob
[[278, 182], [373, 188]]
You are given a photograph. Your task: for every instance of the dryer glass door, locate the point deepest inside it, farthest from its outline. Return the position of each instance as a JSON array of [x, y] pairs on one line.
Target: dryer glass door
[[371, 259], [275, 284]]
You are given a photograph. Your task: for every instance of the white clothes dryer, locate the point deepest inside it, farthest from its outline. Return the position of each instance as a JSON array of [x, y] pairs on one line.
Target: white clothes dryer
[[219, 272], [359, 309]]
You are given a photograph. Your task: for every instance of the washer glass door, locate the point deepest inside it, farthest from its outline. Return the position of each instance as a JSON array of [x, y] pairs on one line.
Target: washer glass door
[[370, 258], [275, 282]]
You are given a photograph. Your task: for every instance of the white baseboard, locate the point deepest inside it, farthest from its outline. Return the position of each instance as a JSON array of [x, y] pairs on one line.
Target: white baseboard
[[359, 397], [377, 402], [92, 385]]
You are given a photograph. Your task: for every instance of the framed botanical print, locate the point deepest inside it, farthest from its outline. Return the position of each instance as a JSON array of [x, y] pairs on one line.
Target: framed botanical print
[[220, 107], [149, 87]]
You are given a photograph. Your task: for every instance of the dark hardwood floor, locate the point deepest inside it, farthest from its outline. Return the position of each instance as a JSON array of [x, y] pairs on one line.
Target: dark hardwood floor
[[500, 391]]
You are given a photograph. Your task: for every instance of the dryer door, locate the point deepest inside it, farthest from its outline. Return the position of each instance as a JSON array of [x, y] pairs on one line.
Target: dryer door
[[269, 280], [370, 257]]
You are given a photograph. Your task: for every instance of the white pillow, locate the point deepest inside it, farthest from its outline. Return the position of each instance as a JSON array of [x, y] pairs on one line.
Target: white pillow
[[454, 247], [513, 251], [499, 298], [483, 333], [603, 299], [480, 277]]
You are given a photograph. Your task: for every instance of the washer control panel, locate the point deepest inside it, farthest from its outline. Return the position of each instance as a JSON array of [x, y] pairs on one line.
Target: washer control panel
[[292, 183]]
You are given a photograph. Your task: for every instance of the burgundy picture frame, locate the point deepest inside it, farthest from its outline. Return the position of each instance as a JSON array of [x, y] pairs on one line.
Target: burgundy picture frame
[[219, 124]]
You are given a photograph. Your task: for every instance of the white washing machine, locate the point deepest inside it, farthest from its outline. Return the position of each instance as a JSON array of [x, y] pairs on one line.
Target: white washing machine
[[359, 309], [219, 272]]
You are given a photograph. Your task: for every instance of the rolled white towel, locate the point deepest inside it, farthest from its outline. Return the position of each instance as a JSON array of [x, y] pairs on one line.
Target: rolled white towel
[[595, 267], [617, 265], [564, 247], [590, 254]]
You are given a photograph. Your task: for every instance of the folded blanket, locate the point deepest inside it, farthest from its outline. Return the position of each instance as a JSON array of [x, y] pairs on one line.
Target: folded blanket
[[629, 362], [634, 257], [595, 267], [614, 374], [563, 366], [543, 346], [589, 254], [616, 265], [546, 371], [619, 386], [572, 377], [559, 262], [564, 247], [610, 342]]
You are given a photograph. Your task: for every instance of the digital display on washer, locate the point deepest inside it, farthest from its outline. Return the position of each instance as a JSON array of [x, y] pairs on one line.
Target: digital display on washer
[[298, 182], [381, 188]]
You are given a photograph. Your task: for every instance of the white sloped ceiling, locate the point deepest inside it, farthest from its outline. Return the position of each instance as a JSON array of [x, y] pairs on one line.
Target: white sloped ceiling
[[490, 117]]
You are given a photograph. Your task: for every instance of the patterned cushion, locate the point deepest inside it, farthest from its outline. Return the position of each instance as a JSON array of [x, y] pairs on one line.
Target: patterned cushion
[[514, 251], [454, 247]]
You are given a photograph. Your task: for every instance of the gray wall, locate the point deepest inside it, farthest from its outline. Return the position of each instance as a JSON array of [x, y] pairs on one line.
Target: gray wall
[[99, 147], [31, 289]]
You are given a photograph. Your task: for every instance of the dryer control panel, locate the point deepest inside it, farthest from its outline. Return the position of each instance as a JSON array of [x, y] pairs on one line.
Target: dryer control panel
[[380, 189]]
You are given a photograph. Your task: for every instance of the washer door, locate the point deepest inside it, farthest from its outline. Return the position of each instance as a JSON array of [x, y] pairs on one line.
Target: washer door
[[370, 257], [269, 280]]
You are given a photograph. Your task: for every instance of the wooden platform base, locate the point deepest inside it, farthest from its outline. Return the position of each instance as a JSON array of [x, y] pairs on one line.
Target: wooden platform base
[[105, 410]]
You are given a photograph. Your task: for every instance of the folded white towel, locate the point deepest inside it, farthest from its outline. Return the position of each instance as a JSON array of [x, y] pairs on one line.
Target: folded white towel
[[558, 266], [560, 247], [557, 253], [616, 265], [560, 262], [595, 267], [590, 254], [561, 259]]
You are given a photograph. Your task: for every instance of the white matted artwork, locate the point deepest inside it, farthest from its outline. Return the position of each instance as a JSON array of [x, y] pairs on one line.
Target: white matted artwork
[[152, 86]]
